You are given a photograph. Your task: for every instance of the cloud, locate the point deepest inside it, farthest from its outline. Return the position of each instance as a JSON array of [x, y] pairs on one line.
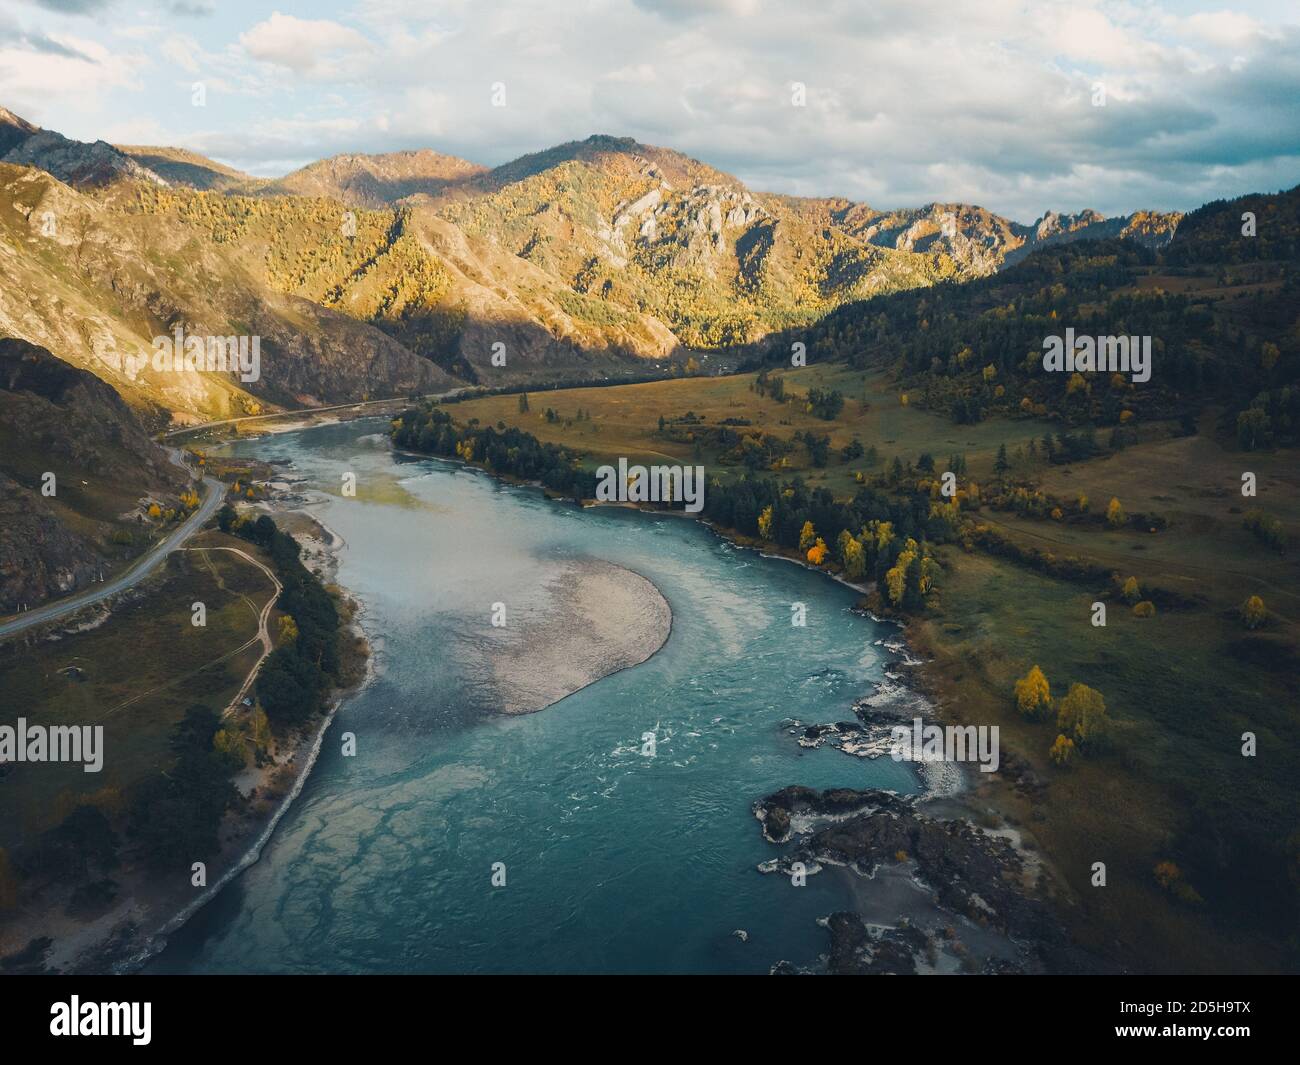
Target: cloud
[[304, 45], [904, 103], [73, 7]]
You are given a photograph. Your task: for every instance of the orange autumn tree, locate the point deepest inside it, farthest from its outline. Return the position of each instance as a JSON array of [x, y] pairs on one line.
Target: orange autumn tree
[[817, 553]]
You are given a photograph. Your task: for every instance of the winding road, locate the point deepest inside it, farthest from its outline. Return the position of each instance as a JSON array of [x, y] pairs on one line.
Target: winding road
[[139, 569]]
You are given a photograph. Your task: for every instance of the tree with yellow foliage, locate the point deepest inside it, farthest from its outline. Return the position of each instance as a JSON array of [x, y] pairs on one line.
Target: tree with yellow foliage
[[855, 559], [807, 536], [1033, 693], [288, 629], [1144, 609], [229, 743], [896, 578], [1115, 515], [817, 553], [1062, 751], [765, 523], [1131, 591], [155, 511], [1082, 715], [1253, 612]]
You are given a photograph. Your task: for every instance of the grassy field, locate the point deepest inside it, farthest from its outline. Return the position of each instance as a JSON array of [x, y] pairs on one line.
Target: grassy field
[[135, 676], [624, 420], [1181, 687]]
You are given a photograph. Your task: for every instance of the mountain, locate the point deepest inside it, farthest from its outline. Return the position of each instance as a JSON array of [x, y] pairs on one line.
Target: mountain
[[1218, 309], [57, 419], [94, 278], [375, 274], [75, 162], [982, 242], [177, 166], [376, 180]]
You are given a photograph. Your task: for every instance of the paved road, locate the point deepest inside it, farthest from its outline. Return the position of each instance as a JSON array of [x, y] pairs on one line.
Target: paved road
[[301, 411], [140, 569]]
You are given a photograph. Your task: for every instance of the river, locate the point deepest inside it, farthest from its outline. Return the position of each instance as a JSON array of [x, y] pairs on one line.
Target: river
[[614, 860]]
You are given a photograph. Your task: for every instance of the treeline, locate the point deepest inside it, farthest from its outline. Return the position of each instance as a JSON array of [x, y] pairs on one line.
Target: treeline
[[502, 450], [1213, 233], [866, 536], [297, 676], [975, 349]]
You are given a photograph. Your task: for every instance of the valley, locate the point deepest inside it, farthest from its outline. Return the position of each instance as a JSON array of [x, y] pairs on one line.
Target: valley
[[865, 391]]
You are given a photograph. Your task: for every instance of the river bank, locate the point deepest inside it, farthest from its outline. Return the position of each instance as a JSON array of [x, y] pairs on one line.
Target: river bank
[[958, 807], [118, 936], [903, 894]]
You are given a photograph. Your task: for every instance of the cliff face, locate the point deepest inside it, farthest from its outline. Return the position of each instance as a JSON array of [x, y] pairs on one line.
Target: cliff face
[[56, 419]]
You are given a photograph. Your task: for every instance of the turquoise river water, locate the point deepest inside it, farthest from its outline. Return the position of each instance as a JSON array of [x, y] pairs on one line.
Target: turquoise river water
[[615, 861]]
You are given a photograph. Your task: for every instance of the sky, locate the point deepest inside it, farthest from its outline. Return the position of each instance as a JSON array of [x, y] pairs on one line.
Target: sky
[[903, 102]]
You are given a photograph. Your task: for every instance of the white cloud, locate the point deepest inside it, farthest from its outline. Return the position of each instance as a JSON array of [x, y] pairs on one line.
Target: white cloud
[[905, 102], [304, 45]]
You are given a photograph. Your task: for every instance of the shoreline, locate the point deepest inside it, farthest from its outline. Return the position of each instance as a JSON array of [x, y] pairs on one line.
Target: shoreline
[[135, 929], [970, 802], [306, 747], [908, 669]]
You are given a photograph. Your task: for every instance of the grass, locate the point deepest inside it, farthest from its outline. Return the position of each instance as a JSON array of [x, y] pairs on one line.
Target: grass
[[624, 420], [140, 672]]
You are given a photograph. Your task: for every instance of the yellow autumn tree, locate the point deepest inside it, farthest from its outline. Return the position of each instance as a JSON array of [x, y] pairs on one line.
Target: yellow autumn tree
[[1033, 693], [1062, 751], [1144, 609], [229, 743], [765, 523], [1131, 590], [259, 729], [155, 511], [288, 630], [1253, 612], [855, 559], [1115, 513], [896, 578], [1082, 715], [807, 536]]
